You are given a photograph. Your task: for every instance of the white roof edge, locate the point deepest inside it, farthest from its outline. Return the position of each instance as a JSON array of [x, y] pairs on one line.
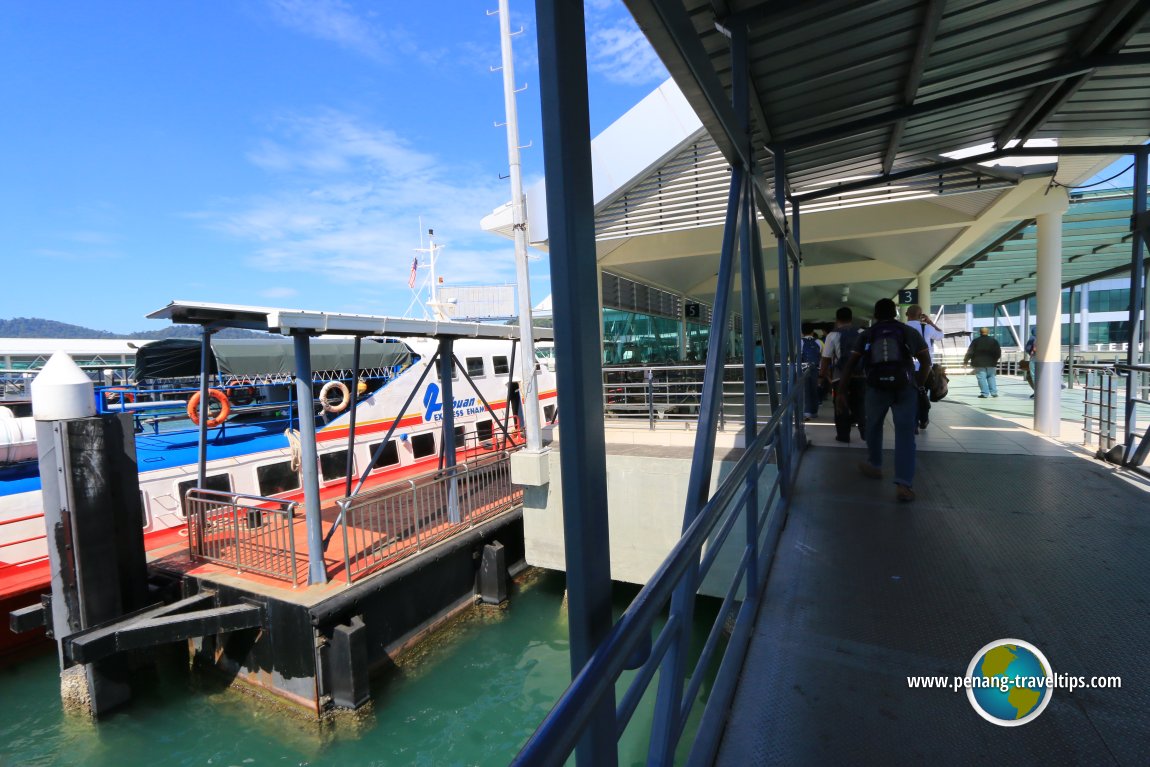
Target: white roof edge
[[279, 320], [641, 139]]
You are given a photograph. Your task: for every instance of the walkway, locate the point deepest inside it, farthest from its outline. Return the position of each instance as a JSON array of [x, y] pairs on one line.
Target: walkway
[[1012, 536]]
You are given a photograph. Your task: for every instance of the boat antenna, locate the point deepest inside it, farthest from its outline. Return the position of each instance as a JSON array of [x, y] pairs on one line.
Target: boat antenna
[[529, 393]]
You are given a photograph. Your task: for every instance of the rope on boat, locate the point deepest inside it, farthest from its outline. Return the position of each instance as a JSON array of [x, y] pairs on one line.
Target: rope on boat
[[296, 450]]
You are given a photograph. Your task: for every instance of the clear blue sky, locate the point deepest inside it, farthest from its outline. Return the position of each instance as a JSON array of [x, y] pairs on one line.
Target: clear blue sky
[[272, 152]]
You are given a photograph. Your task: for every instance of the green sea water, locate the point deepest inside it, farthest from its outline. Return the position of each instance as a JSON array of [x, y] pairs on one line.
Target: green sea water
[[470, 694]]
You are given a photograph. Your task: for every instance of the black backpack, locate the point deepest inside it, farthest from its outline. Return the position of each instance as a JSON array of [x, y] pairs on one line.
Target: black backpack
[[810, 354], [888, 364], [848, 339]]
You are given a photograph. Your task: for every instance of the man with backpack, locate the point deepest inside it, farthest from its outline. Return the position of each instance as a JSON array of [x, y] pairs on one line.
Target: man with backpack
[[810, 355], [849, 410], [887, 350]]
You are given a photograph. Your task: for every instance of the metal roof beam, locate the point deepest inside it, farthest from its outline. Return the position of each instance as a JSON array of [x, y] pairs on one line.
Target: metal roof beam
[[997, 154], [1057, 73], [932, 15], [1014, 231], [1111, 28]]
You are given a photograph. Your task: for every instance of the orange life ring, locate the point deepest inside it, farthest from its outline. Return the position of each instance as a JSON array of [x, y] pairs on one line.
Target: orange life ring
[[218, 396], [125, 395], [242, 391]]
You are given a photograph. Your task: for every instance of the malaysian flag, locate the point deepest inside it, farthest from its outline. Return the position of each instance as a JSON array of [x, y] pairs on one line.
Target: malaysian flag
[[414, 268]]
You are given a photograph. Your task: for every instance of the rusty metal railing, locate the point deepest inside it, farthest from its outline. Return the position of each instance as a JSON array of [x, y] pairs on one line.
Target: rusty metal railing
[[247, 532], [389, 524]]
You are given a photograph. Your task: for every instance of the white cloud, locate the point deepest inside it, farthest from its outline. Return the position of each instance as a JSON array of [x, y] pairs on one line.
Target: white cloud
[[348, 203], [617, 49], [331, 20]]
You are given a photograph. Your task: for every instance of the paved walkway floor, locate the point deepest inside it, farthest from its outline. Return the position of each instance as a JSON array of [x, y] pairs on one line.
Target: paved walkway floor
[[1013, 535]]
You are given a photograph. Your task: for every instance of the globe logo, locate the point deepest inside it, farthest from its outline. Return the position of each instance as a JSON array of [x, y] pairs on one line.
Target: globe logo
[[1009, 682]]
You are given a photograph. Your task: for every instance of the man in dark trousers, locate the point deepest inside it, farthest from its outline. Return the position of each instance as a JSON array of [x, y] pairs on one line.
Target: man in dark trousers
[[888, 349], [836, 351], [982, 355]]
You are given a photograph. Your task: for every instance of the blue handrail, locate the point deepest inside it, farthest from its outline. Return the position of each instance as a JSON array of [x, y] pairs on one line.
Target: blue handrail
[[560, 731]]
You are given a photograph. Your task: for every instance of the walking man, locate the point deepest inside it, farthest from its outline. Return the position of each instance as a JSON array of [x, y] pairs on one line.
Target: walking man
[[810, 355], [982, 355], [921, 321], [888, 349], [836, 351]]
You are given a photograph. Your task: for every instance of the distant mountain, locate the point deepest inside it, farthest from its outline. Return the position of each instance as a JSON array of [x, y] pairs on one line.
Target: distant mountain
[[35, 327]]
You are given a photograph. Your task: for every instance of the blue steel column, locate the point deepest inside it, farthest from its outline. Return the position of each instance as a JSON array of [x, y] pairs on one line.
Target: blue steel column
[[666, 728], [202, 467], [575, 298], [447, 438], [740, 98], [796, 327], [764, 311], [1137, 273], [305, 405], [786, 342], [354, 394]]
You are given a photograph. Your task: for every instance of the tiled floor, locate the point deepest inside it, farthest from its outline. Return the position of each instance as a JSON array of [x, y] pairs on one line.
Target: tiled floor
[[964, 423]]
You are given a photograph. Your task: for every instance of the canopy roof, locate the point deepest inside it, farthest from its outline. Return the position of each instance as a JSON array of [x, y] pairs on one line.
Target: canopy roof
[[859, 98], [262, 358]]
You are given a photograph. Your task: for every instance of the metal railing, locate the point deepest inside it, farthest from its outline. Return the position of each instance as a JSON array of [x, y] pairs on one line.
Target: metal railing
[[383, 526], [37, 523], [1100, 411], [672, 395], [247, 532], [689, 562]]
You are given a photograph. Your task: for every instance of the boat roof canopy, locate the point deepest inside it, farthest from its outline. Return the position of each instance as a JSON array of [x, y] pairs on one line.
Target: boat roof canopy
[[317, 323], [261, 358]]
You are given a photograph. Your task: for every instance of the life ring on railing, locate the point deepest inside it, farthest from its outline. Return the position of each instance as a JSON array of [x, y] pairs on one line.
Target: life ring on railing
[[220, 417], [124, 395], [241, 392], [344, 397]]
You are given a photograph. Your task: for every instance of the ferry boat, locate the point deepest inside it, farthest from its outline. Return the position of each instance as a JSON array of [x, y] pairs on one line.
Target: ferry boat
[[250, 443]]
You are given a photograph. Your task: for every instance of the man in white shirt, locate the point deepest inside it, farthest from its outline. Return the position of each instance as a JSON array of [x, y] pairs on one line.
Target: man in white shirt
[[921, 321], [849, 409]]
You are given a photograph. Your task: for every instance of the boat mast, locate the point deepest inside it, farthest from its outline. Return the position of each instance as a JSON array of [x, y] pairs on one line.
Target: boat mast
[[529, 393]]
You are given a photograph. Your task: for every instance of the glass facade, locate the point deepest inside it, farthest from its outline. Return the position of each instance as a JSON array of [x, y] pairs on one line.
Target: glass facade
[[632, 338]]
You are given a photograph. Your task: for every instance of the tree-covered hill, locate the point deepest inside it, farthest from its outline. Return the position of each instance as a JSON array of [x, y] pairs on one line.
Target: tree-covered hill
[[35, 327]]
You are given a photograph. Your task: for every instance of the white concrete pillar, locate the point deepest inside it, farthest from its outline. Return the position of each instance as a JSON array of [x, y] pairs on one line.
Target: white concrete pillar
[[924, 291], [1048, 328]]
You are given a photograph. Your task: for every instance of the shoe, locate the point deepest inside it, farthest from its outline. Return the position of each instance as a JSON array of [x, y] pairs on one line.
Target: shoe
[[923, 425], [903, 493], [983, 396], [994, 395], [1032, 396], [867, 470], [842, 439]]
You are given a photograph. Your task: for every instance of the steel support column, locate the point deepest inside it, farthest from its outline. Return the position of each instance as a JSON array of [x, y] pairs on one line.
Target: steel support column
[[447, 434], [667, 728], [574, 290], [352, 407], [309, 471], [1138, 223], [1048, 384], [205, 358], [787, 360]]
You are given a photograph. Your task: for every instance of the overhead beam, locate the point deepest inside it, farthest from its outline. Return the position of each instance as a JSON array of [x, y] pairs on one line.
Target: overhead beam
[[932, 15], [1015, 231], [1056, 73], [997, 154]]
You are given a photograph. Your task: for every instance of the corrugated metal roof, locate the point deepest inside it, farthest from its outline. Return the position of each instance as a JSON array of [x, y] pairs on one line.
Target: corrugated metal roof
[[833, 80], [1095, 240]]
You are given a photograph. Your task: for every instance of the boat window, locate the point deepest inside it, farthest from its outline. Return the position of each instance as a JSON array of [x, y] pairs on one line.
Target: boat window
[[276, 478], [460, 437], [423, 445], [475, 367], [220, 482], [500, 366], [549, 413], [389, 456], [333, 465], [483, 430]]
